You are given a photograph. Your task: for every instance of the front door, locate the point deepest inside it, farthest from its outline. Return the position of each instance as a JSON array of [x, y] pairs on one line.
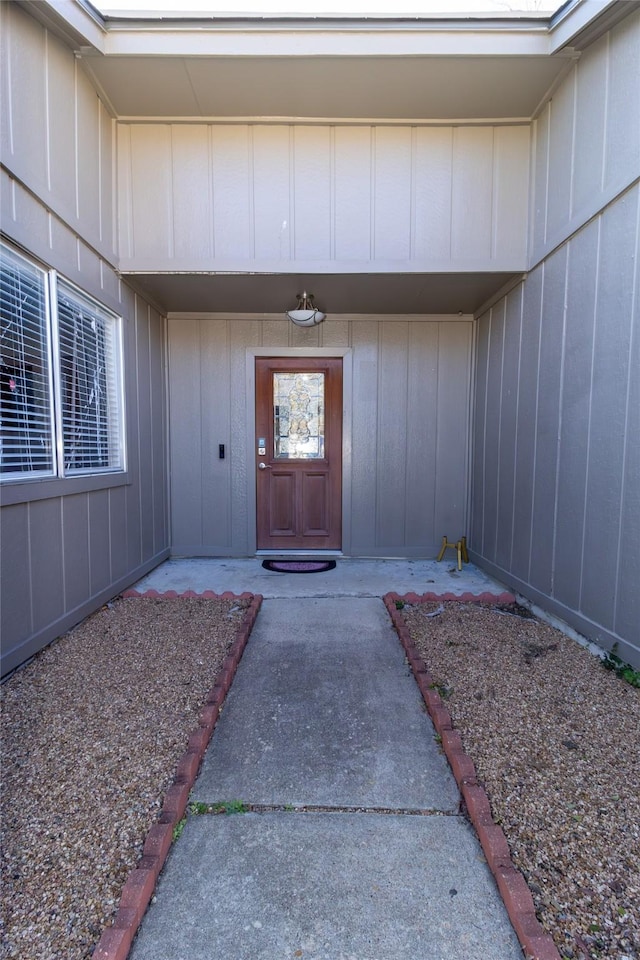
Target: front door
[[299, 453]]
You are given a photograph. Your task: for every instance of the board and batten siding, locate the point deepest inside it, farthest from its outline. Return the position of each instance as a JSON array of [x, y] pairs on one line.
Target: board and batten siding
[[555, 476], [405, 432], [556, 466], [56, 136], [69, 545], [273, 197], [586, 141]]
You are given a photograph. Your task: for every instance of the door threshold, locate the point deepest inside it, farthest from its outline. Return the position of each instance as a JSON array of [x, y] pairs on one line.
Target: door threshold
[[312, 554]]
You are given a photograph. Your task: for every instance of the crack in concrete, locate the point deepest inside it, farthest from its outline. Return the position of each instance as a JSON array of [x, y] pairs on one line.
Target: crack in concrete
[[233, 807]]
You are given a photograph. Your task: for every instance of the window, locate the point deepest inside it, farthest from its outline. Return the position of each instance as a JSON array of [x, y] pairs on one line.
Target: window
[[61, 409], [88, 338], [26, 434]]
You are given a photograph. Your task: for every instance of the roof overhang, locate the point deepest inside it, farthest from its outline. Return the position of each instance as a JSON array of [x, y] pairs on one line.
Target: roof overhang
[[413, 69]]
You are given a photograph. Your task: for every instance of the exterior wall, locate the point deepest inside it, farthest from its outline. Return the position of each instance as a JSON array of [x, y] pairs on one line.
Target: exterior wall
[[322, 198], [405, 432], [56, 137], [587, 139], [69, 545], [556, 467]]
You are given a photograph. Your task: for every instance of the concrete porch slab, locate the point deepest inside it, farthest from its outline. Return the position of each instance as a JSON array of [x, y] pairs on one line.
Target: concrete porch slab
[[350, 578]]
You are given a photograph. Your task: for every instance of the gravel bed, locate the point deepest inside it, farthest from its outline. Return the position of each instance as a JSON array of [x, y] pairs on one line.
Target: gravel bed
[[556, 743], [92, 730]]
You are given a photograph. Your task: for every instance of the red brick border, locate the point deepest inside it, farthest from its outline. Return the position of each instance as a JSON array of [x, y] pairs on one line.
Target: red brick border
[[115, 942], [536, 943]]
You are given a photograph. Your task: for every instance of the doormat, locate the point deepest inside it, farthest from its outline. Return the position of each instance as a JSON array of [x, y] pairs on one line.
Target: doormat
[[298, 566]]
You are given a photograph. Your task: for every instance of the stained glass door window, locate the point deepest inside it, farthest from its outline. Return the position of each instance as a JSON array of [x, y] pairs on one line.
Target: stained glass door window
[[298, 416]]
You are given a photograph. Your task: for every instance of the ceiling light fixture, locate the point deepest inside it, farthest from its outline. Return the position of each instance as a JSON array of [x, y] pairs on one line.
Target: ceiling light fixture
[[306, 314]]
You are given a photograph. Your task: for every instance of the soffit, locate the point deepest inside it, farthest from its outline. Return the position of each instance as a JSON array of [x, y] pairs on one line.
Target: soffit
[[342, 88], [336, 294], [405, 68]]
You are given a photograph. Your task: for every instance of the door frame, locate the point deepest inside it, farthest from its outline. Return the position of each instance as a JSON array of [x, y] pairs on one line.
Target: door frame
[[346, 355]]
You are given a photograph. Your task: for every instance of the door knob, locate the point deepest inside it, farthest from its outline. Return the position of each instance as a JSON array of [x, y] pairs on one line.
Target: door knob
[[263, 466]]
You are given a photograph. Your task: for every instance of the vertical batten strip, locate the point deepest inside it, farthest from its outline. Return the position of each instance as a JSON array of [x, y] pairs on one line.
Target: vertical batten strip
[[202, 438], [151, 463], [533, 190], [76, 138], [115, 189], [623, 540], [607, 92], [517, 414], [332, 192], [252, 190], [560, 415], [171, 220], [10, 88], [436, 438], [503, 307], [372, 204], [212, 193], [139, 425], [100, 176], [412, 193], [495, 174], [485, 397], [574, 124], [291, 232], [47, 111], [547, 173], [63, 556], [535, 420], [452, 147], [591, 378], [128, 196], [487, 427], [405, 539]]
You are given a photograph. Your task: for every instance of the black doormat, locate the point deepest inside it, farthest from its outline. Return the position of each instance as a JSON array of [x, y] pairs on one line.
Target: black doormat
[[298, 566]]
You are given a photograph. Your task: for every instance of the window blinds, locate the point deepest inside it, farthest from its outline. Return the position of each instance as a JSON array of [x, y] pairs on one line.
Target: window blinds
[[61, 404], [88, 340], [26, 423]]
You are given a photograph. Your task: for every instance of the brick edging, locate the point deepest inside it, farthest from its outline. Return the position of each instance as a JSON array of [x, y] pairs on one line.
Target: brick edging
[[115, 942], [534, 940]]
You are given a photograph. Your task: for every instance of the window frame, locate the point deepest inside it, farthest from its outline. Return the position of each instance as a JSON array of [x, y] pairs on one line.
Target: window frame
[[43, 409], [113, 473]]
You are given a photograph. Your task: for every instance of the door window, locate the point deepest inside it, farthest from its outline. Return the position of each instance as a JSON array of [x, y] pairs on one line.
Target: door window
[[298, 416]]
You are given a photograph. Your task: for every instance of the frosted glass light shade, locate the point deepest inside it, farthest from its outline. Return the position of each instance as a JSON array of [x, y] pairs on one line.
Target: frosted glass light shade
[[306, 318], [306, 313]]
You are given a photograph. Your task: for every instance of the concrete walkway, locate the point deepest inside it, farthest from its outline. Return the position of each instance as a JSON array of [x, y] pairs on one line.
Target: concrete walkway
[[356, 849]]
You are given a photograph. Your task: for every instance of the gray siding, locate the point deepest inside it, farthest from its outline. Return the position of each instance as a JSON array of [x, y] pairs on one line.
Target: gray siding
[[556, 467], [56, 136], [406, 429], [322, 198], [587, 138], [556, 450], [66, 546]]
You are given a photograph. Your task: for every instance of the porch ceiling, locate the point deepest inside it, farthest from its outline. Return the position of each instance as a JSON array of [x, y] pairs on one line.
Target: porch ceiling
[[421, 68], [373, 88], [334, 293]]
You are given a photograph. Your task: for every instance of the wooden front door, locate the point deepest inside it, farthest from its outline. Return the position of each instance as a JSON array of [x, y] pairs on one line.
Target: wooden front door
[[299, 453]]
